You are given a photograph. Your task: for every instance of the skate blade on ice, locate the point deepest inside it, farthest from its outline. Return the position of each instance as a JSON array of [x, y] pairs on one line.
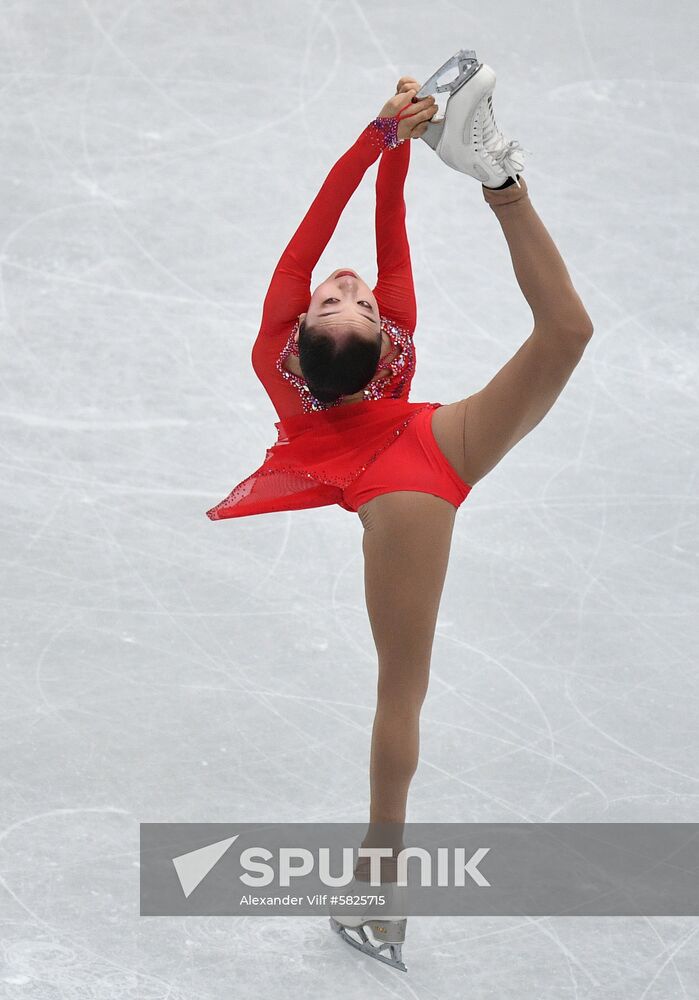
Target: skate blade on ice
[[394, 928]]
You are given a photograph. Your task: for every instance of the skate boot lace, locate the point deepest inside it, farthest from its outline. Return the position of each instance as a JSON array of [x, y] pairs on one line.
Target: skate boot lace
[[504, 154]]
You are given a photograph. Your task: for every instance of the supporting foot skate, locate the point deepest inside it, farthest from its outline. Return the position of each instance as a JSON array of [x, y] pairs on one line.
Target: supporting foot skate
[[386, 929], [389, 936]]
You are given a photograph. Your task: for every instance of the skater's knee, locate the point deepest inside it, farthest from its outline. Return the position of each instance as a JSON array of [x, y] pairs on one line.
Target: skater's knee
[[404, 705], [403, 689]]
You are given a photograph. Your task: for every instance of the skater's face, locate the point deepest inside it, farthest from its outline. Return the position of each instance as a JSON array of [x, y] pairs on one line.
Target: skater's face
[[344, 303]]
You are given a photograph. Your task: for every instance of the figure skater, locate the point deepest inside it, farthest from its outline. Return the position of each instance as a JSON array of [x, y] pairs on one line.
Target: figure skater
[[337, 365]]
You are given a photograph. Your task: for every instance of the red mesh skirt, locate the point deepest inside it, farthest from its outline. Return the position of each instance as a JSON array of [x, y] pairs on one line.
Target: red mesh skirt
[[317, 455]]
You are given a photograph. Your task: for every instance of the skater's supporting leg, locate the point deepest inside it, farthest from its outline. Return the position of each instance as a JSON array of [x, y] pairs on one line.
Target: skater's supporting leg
[[476, 432], [406, 543]]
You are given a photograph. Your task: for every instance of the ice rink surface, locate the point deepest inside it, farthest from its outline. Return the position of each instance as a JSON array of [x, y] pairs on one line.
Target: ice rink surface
[[157, 157]]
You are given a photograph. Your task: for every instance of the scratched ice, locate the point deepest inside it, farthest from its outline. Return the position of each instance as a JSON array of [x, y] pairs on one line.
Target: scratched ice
[[160, 667]]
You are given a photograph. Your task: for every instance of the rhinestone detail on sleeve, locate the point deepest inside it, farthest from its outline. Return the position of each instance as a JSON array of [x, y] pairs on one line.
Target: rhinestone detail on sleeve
[[384, 133]]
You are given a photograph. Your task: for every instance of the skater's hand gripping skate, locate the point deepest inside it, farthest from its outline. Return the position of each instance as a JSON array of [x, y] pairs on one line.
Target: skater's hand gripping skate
[[414, 117], [408, 83]]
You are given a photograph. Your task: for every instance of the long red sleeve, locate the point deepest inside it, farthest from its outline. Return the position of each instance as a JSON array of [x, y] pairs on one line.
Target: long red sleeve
[[394, 290], [289, 291]]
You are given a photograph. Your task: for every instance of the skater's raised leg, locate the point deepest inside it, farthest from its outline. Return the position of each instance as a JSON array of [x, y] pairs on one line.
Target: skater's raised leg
[[476, 432]]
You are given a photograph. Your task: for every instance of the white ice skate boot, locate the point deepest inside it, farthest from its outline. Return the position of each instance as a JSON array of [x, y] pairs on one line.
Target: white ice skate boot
[[387, 930], [467, 138]]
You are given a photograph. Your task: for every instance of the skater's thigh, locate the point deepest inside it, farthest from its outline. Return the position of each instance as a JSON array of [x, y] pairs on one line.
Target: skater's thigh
[[472, 445], [448, 430], [476, 432], [407, 536]]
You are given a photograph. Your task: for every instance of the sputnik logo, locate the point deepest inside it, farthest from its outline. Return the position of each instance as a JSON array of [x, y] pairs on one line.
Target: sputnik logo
[[194, 866]]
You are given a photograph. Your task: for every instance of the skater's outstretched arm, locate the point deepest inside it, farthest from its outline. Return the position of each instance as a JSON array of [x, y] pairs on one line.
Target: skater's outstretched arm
[[289, 292], [394, 290]]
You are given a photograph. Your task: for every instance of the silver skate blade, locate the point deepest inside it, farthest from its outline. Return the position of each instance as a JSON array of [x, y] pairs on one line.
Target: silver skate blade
[[365, 946], [465, 60], [433, 133]]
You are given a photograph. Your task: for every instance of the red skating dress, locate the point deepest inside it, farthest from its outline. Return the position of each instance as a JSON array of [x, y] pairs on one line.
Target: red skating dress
[[334, 453]]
